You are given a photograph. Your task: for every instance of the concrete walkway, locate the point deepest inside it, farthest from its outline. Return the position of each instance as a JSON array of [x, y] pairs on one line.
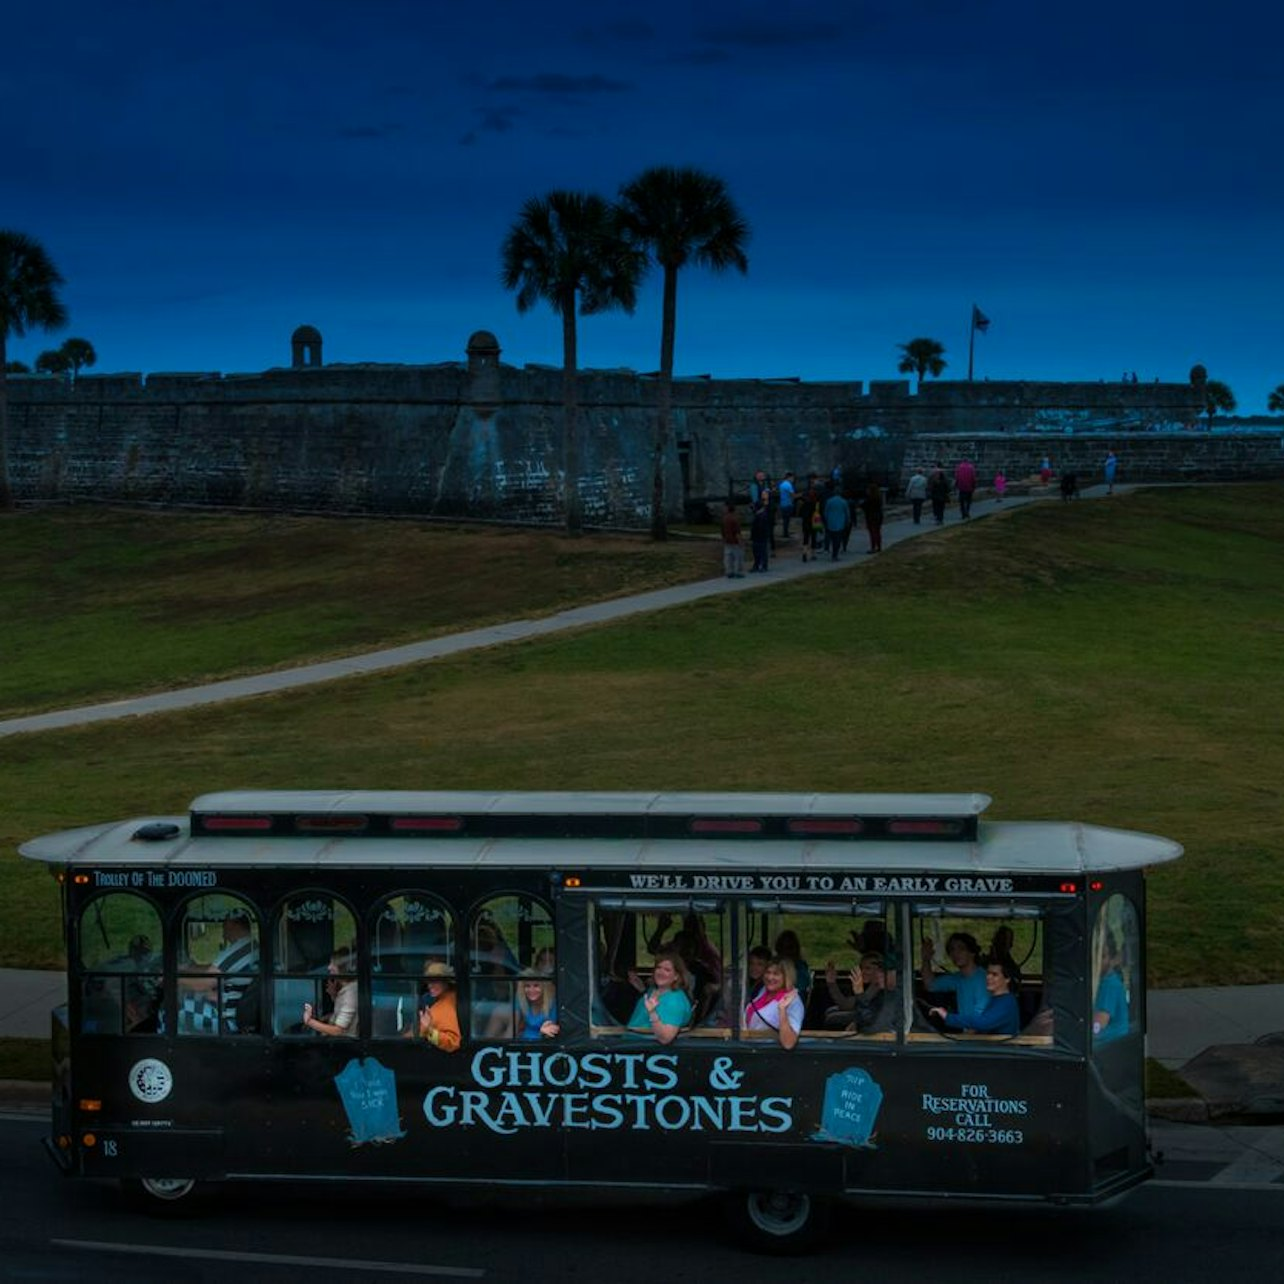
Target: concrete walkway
[[789, 566]]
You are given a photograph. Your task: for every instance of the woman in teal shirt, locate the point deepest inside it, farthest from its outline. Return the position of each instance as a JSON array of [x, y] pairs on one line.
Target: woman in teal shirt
[[1110, 1005], [665, 1008]]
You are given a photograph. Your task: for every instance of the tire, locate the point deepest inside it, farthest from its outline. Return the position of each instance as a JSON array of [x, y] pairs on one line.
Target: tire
[[165, 1196], [777, 1222]]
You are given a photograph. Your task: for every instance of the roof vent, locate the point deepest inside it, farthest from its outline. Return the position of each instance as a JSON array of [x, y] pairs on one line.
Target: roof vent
[[156, 831]]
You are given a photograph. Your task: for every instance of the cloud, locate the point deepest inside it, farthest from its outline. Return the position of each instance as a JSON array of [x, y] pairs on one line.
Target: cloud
[[366, 132], [759, 34], [553, 82]]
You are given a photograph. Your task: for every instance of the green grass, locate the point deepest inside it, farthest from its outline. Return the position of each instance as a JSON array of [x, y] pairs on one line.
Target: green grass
[[1114, 662], [28, 1059], [1165, 1084], [100, 603]]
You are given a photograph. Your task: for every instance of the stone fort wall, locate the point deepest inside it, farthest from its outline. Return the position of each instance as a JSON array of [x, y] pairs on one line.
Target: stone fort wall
[[484, 439]]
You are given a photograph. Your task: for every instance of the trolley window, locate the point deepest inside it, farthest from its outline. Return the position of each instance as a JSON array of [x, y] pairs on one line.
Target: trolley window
[[632, 935], [981, 972], [218, 982], [315, 939], [410, 933], [511, 939], [1115, 969], [120, 953]]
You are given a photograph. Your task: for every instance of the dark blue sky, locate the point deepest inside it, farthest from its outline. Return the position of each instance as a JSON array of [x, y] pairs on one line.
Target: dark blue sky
[[1104, 180]]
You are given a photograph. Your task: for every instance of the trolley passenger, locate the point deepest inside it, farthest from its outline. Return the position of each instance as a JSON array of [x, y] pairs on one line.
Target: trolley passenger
[[665, 1006], [777, 1006], [438, 1010], [1000, 1015], [1110, 1004], [536, 1010], [968, 984], [342, 990]]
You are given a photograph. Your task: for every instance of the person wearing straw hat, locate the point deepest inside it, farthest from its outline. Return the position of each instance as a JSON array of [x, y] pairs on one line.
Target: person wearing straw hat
[[438, 1014]]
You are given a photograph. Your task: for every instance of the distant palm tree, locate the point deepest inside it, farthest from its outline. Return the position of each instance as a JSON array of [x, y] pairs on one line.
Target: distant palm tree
[[922, 357], [565, 247], [79, 352], [1218, 396], [679, 216], [28, 297], [53, 361], [1275, 402]]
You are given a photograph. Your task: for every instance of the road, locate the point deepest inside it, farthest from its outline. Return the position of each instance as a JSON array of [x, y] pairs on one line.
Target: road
[[52, 1230]]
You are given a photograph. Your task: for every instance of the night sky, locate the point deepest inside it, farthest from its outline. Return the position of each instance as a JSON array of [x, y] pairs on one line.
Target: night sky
[[1103, 180]]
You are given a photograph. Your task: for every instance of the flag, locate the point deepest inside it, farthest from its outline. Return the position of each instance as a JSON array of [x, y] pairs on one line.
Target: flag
[[979, 320]]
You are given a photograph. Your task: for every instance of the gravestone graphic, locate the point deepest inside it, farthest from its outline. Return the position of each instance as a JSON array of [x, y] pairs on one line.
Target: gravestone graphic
[[850, 1109], [368, 1091]]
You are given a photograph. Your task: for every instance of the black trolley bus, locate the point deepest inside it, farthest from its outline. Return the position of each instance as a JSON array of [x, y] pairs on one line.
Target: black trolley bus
[[248, 983]]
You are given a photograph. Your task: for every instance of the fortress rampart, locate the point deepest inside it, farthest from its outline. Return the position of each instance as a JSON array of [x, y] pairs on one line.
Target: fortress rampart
[[484, 439]]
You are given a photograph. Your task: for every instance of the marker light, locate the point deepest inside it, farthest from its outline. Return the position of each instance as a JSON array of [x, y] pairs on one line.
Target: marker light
[[329, 824], [1069, 888], [426, 824], [1096, 885], [88, 1103], [924, 827], [847, 826], [716, 825], [572, 881], [80, 879], [89, 1139], [235, 824]]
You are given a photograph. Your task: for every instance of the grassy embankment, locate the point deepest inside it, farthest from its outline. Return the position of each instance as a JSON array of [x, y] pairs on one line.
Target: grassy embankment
[[1114, 662]]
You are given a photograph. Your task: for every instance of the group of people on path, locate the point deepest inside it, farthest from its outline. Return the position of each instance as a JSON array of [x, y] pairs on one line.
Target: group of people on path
[[826, 514]]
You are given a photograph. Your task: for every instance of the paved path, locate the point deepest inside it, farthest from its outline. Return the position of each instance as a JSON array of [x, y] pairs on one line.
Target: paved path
[[788, 567]]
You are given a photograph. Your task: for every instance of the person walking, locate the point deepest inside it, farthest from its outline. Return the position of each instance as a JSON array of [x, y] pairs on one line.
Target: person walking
[[837, 517], [760, 534], [1111, 467], [1000, 486], [938, 491], [808, 513], [916, 493], [965, 484], [1045, 470], [874, 516], [733, 553], [786, 497]]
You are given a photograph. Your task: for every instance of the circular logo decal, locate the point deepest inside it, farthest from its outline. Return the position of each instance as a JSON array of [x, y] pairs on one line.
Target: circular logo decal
[[150, 1080]]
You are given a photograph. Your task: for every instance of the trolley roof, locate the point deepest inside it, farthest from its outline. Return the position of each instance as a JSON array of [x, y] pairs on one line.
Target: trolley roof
[[719, 831]]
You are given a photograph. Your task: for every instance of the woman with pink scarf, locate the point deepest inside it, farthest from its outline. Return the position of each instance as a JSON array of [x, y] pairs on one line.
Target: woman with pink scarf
[[777, 1006]]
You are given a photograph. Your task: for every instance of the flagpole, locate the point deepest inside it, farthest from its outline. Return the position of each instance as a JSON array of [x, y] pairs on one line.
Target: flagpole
[[971, 343]]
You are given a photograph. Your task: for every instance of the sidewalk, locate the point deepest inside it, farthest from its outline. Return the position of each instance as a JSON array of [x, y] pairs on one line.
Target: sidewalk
[[788, 566]]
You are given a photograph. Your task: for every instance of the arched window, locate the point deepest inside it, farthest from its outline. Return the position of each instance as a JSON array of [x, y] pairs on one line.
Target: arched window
[[120, 951], [408, 932], [510, 937], [1116, 953], [218, 966], [315, 938]]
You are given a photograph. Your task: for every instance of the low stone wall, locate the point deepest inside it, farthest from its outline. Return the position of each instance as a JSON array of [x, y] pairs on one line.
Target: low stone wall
[[1148, 457]]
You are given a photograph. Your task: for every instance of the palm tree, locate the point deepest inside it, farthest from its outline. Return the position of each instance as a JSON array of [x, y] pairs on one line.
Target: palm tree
[[1218, 396], [1275, 402], [565, 246], [679, 216], [53, 361], [28, 297], [922, 357], [79, 352]]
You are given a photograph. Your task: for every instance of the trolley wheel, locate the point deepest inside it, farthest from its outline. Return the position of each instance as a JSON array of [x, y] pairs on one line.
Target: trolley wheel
[[164, 1196], [777, 1221]]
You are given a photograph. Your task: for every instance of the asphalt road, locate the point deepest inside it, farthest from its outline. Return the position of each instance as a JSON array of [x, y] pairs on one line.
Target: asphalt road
[[52, 1230]]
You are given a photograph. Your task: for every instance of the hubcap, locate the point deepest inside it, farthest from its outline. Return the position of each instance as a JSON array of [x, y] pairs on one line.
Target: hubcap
[[777, 1213], [168, 1187]]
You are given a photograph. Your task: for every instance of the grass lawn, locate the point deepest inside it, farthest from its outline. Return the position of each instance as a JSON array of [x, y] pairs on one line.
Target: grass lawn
[[1114, 661], [100, 603]]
